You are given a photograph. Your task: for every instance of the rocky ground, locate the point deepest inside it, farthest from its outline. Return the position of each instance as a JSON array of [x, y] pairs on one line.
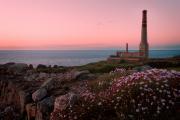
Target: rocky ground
[[67, 93], [28, 93]]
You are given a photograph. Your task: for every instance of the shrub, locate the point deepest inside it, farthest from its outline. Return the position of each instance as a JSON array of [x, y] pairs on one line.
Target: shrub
[[40, 66], [122, 61], [105, 80], [31, 67], [163, 64]]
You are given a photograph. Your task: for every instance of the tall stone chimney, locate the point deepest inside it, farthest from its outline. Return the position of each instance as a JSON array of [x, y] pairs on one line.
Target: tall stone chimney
[[144, 47], [126, 47]]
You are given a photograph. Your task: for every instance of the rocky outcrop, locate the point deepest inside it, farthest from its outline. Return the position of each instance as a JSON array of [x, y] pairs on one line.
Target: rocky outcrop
[[40, 110], [28, 100], [12, 96], [18, 68], [15, 68], [31, 93]]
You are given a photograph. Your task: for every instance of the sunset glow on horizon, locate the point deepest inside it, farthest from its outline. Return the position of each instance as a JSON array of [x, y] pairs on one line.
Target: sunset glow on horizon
[[87, 24]]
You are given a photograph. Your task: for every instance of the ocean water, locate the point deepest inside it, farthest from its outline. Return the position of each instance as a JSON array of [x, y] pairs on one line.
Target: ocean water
[[68, 57]]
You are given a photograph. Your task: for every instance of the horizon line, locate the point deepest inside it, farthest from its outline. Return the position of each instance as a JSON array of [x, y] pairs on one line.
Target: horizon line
[[72, 49]]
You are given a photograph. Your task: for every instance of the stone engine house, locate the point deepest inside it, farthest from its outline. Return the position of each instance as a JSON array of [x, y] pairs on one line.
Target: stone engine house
[[143, 52]]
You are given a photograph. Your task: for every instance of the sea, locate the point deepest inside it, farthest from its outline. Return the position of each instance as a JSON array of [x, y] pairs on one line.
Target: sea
[[68, 57]]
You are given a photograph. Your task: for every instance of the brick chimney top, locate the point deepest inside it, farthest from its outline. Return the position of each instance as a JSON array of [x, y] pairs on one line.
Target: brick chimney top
[[145, 11]]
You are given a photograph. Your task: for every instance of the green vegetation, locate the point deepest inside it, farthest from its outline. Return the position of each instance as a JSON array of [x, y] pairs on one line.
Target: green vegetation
[[122, 61], [163, 63], [49, 69], [105, 80], [106, 67], [174, 68]]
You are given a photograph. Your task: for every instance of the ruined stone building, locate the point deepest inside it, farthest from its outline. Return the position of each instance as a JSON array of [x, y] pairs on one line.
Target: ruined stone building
[[143, 52]]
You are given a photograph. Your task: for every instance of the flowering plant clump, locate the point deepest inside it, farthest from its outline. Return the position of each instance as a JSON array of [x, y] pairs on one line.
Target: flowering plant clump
[[152, 94], [119, 70], [105, 80]]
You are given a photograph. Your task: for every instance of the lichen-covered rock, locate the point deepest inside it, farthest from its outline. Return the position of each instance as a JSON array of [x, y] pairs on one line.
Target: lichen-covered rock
[[87, 76], [39, 94], [79, 73], [43, 75], [64, 101], [31, 77], [44, 108], [48, 84], [73, 74], [46, 104]]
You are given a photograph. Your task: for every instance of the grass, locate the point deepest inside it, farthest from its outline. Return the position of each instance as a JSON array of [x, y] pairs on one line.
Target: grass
[[105, 66], [52, 70], [174, 68]]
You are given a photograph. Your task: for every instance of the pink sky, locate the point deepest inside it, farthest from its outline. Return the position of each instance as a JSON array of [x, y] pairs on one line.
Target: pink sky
[[87, 24]]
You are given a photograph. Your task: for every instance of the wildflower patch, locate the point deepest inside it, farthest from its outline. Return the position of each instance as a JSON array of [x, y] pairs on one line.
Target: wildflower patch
[[151, 94]]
